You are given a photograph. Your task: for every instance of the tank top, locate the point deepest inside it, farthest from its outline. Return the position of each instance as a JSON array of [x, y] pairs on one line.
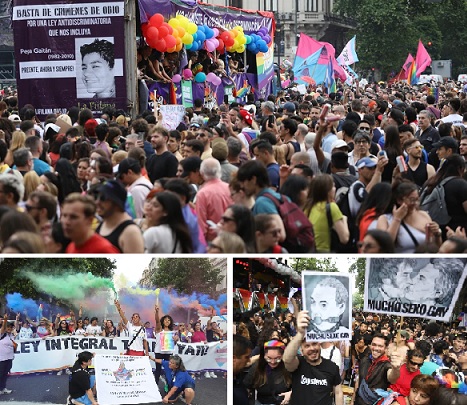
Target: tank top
[[115, 234], [418, 176]]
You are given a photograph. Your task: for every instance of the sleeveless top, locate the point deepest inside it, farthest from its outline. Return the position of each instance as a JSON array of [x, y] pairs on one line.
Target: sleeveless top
[[115, 234], [418, 176], [404, 242], [296, 148]]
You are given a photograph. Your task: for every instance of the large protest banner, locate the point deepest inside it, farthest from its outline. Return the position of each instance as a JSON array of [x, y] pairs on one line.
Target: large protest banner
[[125, 379], [328, 300], [35, 355], [226, 19], [70, 54], [416, 287]]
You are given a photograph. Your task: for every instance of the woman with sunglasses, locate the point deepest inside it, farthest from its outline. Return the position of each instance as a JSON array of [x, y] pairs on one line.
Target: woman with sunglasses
[[240, 220], [80, 329], [268, 376], [268, 234]]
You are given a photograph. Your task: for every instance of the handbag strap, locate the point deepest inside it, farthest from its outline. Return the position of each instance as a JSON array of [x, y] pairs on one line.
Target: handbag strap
[[134, 337], [414, 240]]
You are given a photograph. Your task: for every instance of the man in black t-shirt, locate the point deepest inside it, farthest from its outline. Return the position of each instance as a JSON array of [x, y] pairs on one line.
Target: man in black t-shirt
[[163, 163], [314, 379], [81, 382]]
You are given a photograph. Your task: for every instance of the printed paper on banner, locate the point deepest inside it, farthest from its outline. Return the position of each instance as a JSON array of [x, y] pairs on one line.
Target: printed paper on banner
[[125, 379], [416, 287], [327, 298], [70, 54], [172, 115]]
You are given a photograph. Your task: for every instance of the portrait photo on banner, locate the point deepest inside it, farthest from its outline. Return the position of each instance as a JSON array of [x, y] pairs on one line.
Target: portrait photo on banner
[[328, 299], [417, 287], [96, 68]]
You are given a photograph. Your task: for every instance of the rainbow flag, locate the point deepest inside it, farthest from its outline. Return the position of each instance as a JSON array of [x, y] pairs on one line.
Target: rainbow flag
[[434, 91], [412, 73], [167, 341]]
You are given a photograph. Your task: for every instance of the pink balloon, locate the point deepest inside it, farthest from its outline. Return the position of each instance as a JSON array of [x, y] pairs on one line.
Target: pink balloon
[[210, 77], [176, 78], [187, 74], [210, 47], [217, 81], [216, 32]]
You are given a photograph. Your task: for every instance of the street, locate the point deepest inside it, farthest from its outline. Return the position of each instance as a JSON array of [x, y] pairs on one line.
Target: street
[[50, 388]]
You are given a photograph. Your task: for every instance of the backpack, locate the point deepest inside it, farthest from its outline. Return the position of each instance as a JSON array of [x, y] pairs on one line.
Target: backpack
[[435, 203], [342, 201], [300, 237]]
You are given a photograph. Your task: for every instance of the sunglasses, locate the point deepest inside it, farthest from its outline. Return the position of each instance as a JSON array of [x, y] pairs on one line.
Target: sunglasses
[[273, 361], [415, 364]]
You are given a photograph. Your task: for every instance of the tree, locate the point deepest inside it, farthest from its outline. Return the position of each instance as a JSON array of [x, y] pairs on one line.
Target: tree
[[388, 31], [358, 267], [302, 264], [185, 276], [357, 300], [13, 272]]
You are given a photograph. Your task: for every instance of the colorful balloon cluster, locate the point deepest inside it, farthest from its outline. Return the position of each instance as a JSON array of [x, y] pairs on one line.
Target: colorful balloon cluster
[[178, 31], [162, 36]]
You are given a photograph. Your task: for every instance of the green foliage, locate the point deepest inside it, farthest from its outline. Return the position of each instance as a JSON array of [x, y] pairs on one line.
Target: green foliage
[[358, 268], [313, 264], [185, 275], [388, 31], [357, 300], [11, 272]]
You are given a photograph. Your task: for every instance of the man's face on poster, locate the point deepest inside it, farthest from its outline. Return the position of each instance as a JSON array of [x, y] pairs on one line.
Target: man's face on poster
[[424, 284], [324, 309], [98, 77]]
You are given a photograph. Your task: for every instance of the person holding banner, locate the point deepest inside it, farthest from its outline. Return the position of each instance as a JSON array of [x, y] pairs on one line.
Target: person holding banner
[[81, 382], [138, 345], [179, 381], [314, 379], [7, 352]]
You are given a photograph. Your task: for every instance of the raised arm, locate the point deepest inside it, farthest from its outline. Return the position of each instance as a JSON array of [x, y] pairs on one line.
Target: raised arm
[[5, 320], [158, 327], [290, 355], [120, 312]]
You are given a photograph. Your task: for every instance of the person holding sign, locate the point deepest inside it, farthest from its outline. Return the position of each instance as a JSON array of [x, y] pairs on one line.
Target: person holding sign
[[179, 381], [314, 379], [376, 371], [81, 382], [165, 338], [138, 345]]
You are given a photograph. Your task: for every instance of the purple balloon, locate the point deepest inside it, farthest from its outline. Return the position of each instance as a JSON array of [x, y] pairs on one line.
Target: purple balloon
[[176, 78]]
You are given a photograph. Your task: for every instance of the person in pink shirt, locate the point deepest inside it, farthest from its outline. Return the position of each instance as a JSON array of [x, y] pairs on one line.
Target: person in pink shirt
[[198, 335]]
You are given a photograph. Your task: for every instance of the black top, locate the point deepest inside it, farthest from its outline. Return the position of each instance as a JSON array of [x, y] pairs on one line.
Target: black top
[[164, 165], [418, 176], [275, 384], [115, 234], [79, 381], [455, 192], [314, 384]]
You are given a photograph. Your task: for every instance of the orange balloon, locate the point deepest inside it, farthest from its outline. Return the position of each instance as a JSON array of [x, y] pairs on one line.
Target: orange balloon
[[179, 47], [181, 31]]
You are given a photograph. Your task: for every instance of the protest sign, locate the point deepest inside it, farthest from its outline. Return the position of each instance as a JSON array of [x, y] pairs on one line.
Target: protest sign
[[54, 353], [172, 115], [417, 287], [328, 299], [125, 379]]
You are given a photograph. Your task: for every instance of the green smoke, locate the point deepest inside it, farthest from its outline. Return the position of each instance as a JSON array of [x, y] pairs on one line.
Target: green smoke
[[70, 286]]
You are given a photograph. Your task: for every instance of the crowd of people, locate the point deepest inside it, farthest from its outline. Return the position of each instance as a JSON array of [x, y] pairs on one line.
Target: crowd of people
[[134, 329], [389, 360], [343, 172]]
